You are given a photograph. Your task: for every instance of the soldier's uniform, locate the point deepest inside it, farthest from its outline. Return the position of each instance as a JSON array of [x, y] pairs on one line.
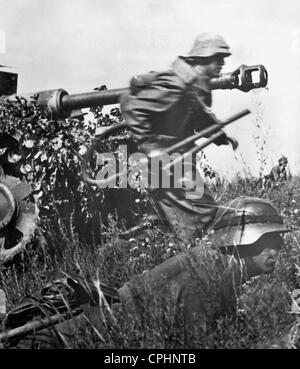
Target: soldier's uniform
[[170, 108], [192, 289], [280, 172]]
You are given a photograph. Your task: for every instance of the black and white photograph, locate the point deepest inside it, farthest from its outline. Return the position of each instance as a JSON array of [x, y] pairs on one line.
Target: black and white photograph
[[149, 177]]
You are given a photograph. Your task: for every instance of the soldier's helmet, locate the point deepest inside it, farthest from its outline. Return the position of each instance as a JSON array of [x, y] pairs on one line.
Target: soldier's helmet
[[283, 160], [244, 220], [208, 44]]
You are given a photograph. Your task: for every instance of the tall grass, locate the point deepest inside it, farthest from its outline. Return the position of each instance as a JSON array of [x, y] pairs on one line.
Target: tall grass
[[263, 316]]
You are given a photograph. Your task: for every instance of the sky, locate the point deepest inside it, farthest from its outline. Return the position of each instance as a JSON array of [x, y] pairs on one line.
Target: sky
[[80, 44]]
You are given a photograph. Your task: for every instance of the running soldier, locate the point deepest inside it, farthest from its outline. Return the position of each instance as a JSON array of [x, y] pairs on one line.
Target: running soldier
[[174, 105]]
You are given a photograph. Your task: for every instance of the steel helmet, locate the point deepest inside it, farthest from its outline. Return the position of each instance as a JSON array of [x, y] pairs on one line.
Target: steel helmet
[[283, 160], [207, 44], [244, 220]]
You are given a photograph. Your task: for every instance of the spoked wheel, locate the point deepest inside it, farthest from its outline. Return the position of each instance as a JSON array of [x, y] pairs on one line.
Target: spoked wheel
[[18, 217], [125, 202]]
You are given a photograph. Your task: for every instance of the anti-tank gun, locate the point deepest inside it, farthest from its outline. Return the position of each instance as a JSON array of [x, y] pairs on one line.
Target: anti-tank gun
[[244, 78], [62, 105]]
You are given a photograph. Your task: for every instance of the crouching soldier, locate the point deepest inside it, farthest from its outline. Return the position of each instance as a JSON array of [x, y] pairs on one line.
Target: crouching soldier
[[281, 171], [202, 284]]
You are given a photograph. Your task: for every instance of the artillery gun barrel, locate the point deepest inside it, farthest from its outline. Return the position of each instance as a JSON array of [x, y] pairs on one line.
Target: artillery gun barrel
[[108, 97], [92, 99], [61, 103]]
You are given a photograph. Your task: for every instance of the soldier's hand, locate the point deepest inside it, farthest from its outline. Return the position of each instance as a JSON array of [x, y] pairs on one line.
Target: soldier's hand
[[234, 143]]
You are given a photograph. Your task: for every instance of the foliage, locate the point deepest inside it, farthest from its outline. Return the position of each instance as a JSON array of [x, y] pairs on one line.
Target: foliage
[[51, 151], [69, 209]]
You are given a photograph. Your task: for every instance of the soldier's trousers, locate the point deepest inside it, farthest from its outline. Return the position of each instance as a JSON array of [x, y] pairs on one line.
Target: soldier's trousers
[[187, 205]]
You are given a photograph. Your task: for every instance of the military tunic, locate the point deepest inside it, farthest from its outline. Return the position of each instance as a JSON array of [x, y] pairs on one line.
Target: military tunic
[[172, 107], [280, 173], [199, 286]]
